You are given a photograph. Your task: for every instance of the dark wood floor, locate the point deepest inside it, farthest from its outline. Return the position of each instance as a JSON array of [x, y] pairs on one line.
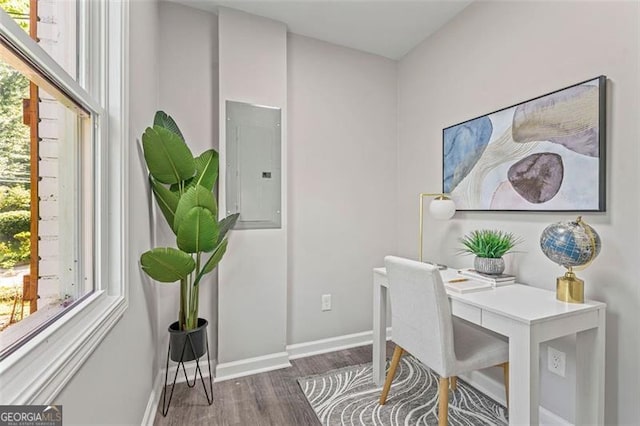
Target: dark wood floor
[[272, 398]]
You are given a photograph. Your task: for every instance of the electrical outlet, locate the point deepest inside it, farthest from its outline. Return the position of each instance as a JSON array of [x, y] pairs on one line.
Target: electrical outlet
[[326, 302], [556, 361]]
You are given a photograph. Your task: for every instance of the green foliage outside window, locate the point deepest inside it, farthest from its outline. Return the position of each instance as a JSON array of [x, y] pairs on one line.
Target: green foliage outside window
[[16, 252], [14, 198], [15, 159], [12, 223], [15, 241], [18, 10], [14, 135]]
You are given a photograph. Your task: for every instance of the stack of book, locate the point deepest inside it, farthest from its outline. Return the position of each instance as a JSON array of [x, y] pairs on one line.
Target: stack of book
[[494, 280]]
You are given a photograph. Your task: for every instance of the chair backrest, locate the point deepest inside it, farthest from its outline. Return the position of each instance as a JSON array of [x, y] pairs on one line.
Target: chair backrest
[[420, 313]]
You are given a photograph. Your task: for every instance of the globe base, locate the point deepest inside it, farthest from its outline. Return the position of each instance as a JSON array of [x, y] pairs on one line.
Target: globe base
[[570, 288]]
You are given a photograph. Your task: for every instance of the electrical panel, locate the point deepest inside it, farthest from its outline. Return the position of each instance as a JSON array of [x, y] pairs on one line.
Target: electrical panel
[[253, 162]]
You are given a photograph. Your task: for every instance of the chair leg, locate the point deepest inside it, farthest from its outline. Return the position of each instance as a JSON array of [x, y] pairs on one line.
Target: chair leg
[[443, 406], [505, 369], [453, 382], [397, 354]]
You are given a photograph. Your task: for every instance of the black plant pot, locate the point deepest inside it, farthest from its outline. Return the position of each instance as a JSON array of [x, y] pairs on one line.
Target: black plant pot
[[190, 344], [187, 346]]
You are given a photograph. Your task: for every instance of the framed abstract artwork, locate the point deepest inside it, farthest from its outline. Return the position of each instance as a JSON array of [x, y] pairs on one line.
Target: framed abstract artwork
[[545, 154]]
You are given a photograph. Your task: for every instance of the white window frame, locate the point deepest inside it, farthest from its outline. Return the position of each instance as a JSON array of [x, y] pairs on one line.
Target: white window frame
[[38, 370]]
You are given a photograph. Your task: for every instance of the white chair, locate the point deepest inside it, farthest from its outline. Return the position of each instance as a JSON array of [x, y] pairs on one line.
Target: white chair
[[423, 326]]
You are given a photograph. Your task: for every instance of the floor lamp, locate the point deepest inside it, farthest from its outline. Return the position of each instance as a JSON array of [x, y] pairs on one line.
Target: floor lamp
[[441, 208]]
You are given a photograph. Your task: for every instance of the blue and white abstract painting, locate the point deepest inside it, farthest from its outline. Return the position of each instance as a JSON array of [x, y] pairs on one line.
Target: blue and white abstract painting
[[544, 154]]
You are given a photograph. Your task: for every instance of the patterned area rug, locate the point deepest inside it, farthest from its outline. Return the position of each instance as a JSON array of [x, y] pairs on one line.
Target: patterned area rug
[[348, 397]]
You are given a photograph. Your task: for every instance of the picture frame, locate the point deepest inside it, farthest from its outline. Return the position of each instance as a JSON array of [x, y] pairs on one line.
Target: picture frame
[[544, 154]]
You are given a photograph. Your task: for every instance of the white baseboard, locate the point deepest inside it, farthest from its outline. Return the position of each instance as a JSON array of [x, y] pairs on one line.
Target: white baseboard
[[249, 366], [332, 344], [154, 400], [495, 390], [548, 418]]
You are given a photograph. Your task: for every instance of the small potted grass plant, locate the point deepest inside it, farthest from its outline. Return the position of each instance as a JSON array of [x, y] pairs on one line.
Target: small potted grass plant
[[488, 246]]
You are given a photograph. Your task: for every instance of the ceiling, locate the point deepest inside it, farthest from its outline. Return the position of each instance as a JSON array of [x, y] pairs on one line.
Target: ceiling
[[389, 28]]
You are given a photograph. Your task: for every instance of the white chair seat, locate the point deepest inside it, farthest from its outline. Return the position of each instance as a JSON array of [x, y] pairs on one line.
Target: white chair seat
[[476, 348]]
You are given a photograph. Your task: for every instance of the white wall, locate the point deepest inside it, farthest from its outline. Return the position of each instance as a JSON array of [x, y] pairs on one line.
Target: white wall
[[343, 117], [113, 386], [253, 274], [188, 92], [495, 54], [342, 168], [56, 268]]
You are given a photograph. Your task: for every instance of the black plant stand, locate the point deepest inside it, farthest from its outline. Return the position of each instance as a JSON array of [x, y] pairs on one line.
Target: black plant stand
[[208, 394]]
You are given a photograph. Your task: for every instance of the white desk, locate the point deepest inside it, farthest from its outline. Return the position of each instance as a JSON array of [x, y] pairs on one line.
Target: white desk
[[527, 316]]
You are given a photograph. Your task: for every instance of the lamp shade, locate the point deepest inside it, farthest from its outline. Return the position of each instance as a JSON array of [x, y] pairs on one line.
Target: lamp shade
[[442, 208]]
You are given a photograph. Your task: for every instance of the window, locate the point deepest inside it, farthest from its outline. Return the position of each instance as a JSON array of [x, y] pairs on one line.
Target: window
[[62, 203], [41, 195]]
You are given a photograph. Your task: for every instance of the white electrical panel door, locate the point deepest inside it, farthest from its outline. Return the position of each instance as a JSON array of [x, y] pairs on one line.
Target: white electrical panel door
[[253, 177]]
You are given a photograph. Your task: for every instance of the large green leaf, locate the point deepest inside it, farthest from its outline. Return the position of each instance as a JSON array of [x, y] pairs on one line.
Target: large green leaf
[[167, 264], [226, 224], [198, 231], [213, 261], [163, 119], [206, 171], [196, 196], [167, 156], [175, 188], [167, 200]]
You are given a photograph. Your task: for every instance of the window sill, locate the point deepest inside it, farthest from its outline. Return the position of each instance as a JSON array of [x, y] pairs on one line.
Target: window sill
[[36, 372], [29, 325]]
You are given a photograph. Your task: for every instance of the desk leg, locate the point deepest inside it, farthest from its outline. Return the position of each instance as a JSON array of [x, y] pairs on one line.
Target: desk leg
[[379, 332], [524, 377], [590, 353]]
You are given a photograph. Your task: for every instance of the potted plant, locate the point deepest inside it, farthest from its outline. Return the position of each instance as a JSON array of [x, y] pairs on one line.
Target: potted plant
[[183, 188], [488, 246]]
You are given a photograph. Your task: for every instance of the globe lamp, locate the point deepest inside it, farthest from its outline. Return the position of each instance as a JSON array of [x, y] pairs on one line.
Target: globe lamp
[[574, 245], [441, 208]]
